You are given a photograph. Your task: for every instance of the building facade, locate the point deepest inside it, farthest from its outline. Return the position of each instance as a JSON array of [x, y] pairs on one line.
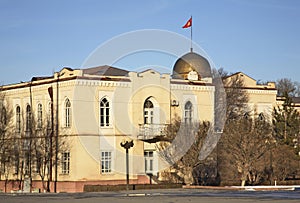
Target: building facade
[[94, 110]]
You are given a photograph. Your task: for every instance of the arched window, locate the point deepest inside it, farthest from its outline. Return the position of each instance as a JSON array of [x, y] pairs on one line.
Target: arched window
[[104, 112], [261, 117], [18, 119], [247, 115], [28, 118], [148, 112], [188, 108], [67, 113], [39, 116]]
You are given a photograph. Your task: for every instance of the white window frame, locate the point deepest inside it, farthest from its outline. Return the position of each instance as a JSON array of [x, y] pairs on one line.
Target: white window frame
[[188, 112], [65, 162], [106, 162], [148, 112], [149, 161], [104, 113], [67, 111]]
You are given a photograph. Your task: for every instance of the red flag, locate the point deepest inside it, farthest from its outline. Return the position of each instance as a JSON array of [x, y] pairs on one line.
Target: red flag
[[188, 23]]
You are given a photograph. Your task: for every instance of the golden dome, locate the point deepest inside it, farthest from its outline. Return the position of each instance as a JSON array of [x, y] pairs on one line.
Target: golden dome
[[191, 62]]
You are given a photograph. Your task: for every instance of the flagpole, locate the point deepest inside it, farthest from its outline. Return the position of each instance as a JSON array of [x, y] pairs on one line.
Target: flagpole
[[192, 34]]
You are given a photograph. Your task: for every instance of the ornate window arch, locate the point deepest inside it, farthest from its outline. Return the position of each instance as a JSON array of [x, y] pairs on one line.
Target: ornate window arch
[[148, 112], [104, 112], [261, 116], [67, 113], [18, 119], [39, 116], [188, 112]]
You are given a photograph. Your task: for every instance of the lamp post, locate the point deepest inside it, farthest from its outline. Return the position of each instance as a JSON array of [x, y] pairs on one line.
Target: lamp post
[[50, 91], [127, 145]]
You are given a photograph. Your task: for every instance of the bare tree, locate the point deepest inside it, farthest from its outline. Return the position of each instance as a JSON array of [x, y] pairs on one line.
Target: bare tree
[[30, 150], [42, 155], [44, 148], [221, 72], [236, 96], [285, 87], [183, 152], [297, 89], [6, 135]]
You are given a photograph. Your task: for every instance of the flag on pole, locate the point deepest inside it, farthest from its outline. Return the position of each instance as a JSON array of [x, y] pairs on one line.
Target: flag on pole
[[188, 23]]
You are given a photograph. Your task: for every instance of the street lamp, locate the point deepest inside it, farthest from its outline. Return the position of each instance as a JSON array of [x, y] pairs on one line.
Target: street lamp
[[127, 145]]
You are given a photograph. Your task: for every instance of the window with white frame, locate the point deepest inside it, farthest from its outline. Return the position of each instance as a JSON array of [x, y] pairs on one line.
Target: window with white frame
[[148, 112], [104, 112], [67, 113], [148, 155], [39, 116], [106, 161], [188, 108], [18, 119], [65, 163]]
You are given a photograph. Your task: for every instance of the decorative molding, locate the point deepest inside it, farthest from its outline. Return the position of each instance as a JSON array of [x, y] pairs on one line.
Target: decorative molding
[[192, 87], [82, 82], [253, 91]]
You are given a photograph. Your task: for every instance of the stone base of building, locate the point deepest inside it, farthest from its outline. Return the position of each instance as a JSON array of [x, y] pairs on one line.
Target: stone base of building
[[66, 186]]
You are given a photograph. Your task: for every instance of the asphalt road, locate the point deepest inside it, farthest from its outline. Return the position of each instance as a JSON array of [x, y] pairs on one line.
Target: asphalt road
[[157, 196]]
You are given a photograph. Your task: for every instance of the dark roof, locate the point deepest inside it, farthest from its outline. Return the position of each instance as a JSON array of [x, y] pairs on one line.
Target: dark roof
[[191, 62], [105, 71], [41, 78]]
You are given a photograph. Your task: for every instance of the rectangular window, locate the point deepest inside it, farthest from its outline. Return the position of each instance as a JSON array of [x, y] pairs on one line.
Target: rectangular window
[[67, 117], [188, 116], [148, 161], [106, 162], [102, 116], [65, 163], [39, 116], [107, 116]]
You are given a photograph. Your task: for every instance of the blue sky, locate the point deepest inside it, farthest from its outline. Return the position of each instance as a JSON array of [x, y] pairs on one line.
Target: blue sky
[[258, 37]]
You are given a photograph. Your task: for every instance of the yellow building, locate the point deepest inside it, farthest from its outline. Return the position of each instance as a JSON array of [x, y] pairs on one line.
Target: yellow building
[[261, 97], [97, 109]]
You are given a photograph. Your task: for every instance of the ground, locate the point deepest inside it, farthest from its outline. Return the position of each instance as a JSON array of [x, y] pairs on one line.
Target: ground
[[155, 196]]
